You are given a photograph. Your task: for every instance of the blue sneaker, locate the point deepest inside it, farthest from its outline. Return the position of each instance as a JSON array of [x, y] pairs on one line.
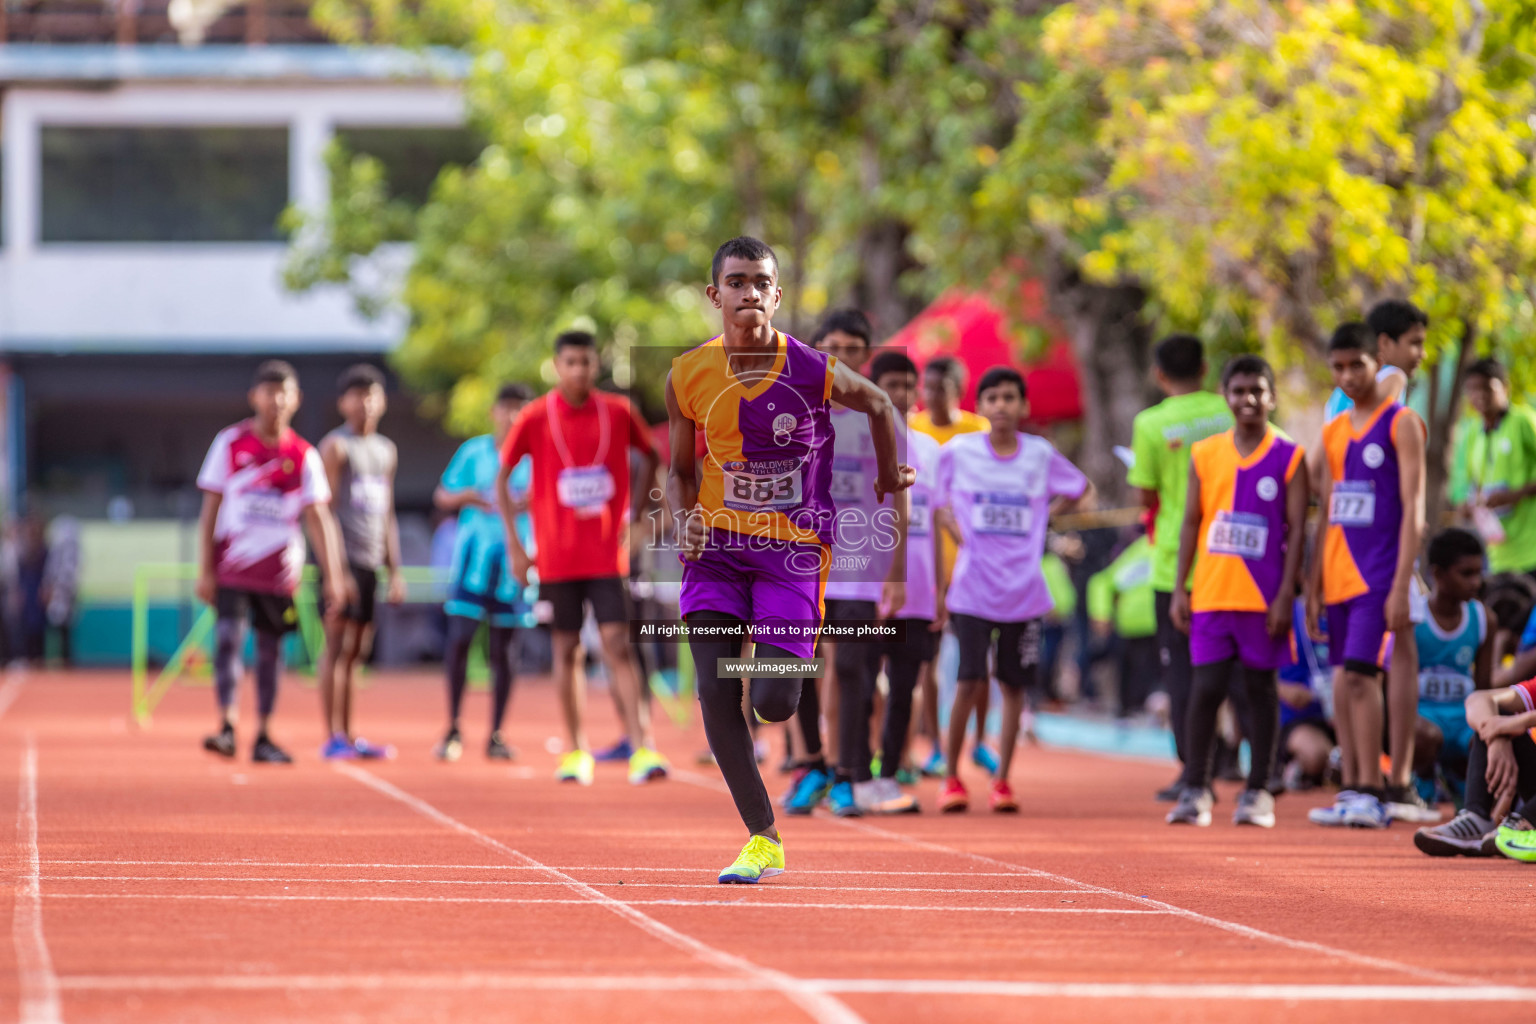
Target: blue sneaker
[[373, 751], [1365, 811], [934, 767], [620, 751], [842, 801], [338, 748], [809, 791], [1332, 816], [984, 758]]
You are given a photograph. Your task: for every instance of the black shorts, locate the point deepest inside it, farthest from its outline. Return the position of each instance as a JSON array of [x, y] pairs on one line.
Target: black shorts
[[916, 646], [1018, 649], [361, 608], [608, 596], [269, 613]]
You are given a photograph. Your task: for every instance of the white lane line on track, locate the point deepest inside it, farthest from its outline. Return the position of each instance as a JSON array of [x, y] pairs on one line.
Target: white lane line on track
[[777, 886], [743, 902], [705, 868], [849, 986], [821, 1007], [1300, 945], [15, 679], [38, 985]]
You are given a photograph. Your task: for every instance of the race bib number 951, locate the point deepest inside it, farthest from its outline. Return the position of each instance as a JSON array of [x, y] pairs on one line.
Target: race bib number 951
[[1353, 503], [1001, 513]]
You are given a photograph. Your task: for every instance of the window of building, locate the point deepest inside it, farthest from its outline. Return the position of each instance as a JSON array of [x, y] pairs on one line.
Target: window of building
[[151, 184], [412, 157]]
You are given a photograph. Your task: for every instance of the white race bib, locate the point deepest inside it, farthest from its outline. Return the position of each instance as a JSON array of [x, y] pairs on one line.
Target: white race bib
[[584, 488], [1238, 533], [917, 516], [753, 492], [370, 495], [1443, 685], [848, 486], [1353, 503], [1001, 513], [264, 508]]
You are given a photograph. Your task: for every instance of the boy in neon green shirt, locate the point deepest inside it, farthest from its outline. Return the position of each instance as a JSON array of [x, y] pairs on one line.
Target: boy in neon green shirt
[[1160, 440], [1121, 600], [1501, 467]]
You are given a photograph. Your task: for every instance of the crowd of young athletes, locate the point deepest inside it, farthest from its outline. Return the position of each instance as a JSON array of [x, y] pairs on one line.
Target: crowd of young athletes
[[1322, 639]]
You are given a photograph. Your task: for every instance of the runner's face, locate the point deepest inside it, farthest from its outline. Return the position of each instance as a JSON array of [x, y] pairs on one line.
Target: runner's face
[[363, 407], [576, 369], [939, 393], [1354, 371], [274, 404], [1002, 405], [901, 387], [1250, 398], [748, 294], [1462, 580], [1406, 353], [1486, 395], [848, 348], [502, 415]]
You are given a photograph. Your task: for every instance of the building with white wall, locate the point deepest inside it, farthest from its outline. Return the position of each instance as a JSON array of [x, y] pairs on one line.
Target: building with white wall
[[140, 254]]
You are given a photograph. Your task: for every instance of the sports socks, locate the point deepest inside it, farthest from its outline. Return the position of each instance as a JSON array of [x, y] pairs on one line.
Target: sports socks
[[773, 698]]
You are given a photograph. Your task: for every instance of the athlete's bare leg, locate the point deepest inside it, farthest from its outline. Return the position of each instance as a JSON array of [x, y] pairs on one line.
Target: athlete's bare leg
[[1402, 705], [571, 684]]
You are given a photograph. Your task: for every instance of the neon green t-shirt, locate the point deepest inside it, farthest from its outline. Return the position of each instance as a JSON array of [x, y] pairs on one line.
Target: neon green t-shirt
[[1160, 440], [1058, 581], [1504, 459], [1122, 592]]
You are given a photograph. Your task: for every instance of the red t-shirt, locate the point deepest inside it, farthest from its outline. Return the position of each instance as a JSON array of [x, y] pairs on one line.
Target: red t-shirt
[[579, 498], [258, 539]]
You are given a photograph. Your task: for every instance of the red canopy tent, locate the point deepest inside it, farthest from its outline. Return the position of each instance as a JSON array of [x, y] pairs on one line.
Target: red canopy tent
[[976, 330]]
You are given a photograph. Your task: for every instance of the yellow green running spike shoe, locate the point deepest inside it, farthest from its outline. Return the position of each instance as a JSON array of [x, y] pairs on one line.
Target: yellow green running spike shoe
[[761, 858], [576, 767], [646, 764], [1516, 839]]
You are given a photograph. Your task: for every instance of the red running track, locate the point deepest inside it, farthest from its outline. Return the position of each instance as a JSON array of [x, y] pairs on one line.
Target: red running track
[[156, 883]]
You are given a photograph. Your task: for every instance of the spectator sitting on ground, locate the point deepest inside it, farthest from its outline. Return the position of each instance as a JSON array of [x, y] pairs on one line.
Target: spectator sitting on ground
[[1501, 781], [1305, 684]]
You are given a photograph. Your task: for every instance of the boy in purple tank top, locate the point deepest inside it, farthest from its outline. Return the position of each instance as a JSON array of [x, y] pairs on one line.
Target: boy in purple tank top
[[1373, 497], [998, 491], [1245, 517], [756, 520]]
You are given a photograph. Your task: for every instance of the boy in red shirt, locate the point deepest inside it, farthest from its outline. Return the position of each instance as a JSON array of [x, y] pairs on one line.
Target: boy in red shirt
[[579, 439], [258, 481]]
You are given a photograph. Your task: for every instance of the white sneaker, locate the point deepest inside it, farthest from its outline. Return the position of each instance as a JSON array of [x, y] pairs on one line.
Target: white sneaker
[[866, 796], [890, 798]]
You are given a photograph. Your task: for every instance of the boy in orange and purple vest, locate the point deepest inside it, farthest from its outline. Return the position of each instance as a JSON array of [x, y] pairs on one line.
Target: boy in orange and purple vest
[[1245, 517]]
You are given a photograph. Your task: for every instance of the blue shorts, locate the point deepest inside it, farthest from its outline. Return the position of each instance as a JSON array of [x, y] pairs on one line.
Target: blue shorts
[[1451, 718], [1357, 631], [482, 588]]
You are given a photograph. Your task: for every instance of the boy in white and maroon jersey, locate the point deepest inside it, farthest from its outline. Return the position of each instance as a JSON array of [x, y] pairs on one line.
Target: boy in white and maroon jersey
[[259, 480]]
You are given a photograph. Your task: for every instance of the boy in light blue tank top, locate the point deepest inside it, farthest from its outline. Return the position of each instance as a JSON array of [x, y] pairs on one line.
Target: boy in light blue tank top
[[1455, 653]]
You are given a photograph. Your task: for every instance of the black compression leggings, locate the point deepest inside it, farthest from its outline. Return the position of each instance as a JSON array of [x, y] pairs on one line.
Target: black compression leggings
[[1207, 693], [461, 634], [774, 699], [901, 681], [808, 717], [1478, 797], [229, 637], [857, 666]]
